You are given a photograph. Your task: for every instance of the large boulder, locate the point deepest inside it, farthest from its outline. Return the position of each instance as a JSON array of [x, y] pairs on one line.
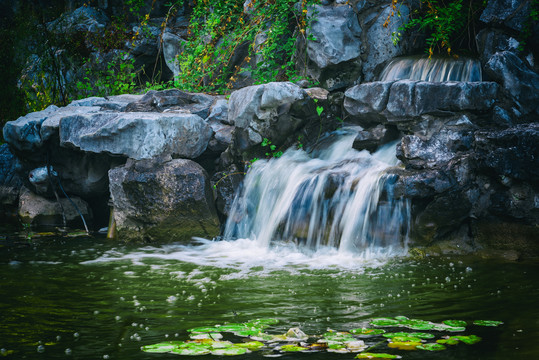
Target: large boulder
[[334, 52], [165, 202], [136, 135]]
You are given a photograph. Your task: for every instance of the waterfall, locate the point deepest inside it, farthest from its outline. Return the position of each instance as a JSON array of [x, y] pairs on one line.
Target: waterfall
[[435, 69], [332, 196]]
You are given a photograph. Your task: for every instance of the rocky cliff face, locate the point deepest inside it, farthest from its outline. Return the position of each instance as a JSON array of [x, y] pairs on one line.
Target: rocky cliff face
[[469, 150]]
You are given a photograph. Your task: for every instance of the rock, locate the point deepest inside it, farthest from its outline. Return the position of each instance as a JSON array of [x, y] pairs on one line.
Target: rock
[[274, 111], [219, 112], [226, 185], [491, 41], [172, 48], [367, 101], [221, 138], [41, 212], [379, 41], [172, 100], [513, 152], [136, 135], [115, 102], [10, 183], [441, 216], [405, 100], [517, 240], [335, 52], [511, 13], [23, 134], [371, 139], [521, 83], [162, 202], [83, 19]]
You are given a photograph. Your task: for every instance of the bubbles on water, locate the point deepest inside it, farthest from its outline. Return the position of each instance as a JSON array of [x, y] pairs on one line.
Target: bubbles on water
[[117, 317], [76, 335], [41, 349], [68, 351]]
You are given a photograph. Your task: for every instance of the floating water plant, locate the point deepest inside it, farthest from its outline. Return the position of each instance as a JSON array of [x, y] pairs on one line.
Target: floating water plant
[[455, 323], [404, 345], [385, 322], [207, 340], [431, 347], [487, 322], [365, 331], [375, 356]]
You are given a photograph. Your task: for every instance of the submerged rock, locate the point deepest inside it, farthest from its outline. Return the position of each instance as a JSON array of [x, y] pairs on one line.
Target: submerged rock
[[162, 201]]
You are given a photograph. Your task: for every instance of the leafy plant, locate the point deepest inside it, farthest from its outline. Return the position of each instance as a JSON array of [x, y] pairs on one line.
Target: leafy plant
[[227, 42], [274, 152], [443, 21]]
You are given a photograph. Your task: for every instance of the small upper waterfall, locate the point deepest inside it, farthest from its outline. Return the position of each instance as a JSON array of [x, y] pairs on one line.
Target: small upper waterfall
[[332, 196], [435, 69]]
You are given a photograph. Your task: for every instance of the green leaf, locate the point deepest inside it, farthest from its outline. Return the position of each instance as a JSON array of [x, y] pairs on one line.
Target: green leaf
[[455, 323], [431, 347], [292, 348], [375, 356], [487, 322], [365, 331], [385, 322]]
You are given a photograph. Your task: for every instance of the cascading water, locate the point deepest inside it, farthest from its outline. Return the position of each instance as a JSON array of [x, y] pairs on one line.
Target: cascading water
[[435, 69], [335, 196]]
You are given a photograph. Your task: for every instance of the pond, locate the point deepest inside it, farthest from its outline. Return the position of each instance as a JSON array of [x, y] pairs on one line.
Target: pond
[[89, 298]]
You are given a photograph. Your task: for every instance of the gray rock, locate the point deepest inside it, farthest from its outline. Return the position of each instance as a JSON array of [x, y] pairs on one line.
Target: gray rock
[[491, 41], [521, 83], [23, 134], [163, 202], [136, 135], [219, 111], [115, 102], [367, 101], [379, 41], [511, 13], [42, 212], [172, 100], [371, 139], [272, 111], [10, 182], [226, 185], [336, 49], [172, 47], [512, 153], [83, 19], [222, 136]]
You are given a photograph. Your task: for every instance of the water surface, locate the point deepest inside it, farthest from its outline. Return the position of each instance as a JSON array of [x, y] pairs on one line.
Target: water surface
[[92, 299]]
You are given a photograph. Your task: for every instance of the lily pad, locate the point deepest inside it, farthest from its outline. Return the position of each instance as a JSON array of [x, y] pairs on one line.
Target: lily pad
[[385, 322], [420, 335], [292, 348], [375, 356], [487, 322], [416, 324], [455, 323], [405, 345], [210, 335], [204, 329], [365, 331], [192, 350], [443, 327], [336, 337], [469, 339], [431, 347], [449, 341], [162, 347], [230, 351], [405, 339], [251, 345], [355, 346]]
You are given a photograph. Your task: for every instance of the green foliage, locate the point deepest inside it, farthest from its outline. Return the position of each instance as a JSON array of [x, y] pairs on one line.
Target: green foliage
[[273, 151], [118, 77], [528, 25], [226, 41], [443, 21]]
